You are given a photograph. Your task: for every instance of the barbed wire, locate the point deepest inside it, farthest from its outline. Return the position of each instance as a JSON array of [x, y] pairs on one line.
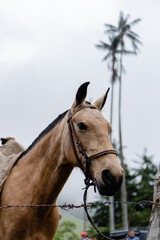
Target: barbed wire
[[66, 206], [89, 205]]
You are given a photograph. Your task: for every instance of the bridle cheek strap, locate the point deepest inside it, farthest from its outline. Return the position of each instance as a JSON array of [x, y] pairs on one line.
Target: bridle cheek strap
[[74, 139]]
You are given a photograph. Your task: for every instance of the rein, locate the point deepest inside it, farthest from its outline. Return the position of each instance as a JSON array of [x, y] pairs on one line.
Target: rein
[[86, 161]]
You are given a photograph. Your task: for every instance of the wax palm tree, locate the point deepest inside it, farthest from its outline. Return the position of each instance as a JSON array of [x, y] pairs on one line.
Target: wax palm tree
[[118, 36], [122, 33], [111, 56], [111, 51]]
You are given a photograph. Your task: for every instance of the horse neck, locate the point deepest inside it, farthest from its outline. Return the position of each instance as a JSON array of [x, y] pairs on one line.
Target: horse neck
[[51, 167]]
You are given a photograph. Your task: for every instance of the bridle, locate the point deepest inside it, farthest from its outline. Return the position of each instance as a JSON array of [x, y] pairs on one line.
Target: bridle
[[86, 160]]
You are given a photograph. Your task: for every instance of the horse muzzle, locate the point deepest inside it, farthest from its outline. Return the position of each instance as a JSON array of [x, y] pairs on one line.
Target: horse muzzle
[[110, 184]]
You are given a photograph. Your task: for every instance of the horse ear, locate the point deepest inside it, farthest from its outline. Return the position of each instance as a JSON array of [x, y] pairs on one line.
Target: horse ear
[[81, 94], [101, 101]]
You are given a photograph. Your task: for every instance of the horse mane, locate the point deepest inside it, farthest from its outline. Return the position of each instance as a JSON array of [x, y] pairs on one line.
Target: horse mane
[[43, 133]]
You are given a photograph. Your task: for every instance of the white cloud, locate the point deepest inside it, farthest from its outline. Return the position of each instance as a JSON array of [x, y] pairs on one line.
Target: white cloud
[[16, 52]]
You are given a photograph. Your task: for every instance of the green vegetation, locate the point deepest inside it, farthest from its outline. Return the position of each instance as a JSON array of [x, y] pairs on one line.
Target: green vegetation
[[65, 224], [66, 231], [68, 216]]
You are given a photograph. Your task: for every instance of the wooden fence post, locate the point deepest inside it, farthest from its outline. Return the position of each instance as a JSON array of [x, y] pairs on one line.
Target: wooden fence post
[[154, 225]]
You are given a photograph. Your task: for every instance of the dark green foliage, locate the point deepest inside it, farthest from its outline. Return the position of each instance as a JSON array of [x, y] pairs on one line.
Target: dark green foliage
[[145, 174], [144, 180]]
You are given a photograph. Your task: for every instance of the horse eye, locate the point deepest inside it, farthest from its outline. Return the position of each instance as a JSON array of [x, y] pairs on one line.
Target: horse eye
[[81, 126]]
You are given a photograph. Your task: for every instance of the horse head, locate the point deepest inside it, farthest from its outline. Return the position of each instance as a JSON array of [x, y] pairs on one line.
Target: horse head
[[90, 147]]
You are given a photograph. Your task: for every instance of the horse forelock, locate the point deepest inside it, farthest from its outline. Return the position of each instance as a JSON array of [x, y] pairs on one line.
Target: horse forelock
[[43, 133]]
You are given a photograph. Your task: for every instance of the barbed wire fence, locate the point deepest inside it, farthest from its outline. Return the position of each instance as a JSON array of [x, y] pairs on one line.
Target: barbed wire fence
[[68, 207]]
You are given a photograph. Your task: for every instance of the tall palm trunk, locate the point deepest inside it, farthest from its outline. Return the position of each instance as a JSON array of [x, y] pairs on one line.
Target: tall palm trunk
[[112, 89], [111, 206], [123, 188]]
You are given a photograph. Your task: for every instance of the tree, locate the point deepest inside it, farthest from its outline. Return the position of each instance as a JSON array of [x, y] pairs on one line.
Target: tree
[[111, 49], [66, 231], [121, 33], [144, 177]]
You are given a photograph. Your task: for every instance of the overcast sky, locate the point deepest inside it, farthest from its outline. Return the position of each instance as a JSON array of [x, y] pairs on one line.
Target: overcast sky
[[47, 50]]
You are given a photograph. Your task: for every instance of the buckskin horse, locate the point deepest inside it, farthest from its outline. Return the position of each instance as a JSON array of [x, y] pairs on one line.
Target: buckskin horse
[[77, 138]]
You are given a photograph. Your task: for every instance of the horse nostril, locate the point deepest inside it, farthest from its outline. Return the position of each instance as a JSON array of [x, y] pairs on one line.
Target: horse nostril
[[107, 177], [110, 180], [110, 183]]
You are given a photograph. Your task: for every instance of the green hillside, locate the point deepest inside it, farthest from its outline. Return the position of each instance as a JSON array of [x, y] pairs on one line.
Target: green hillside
[[66, 216]]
